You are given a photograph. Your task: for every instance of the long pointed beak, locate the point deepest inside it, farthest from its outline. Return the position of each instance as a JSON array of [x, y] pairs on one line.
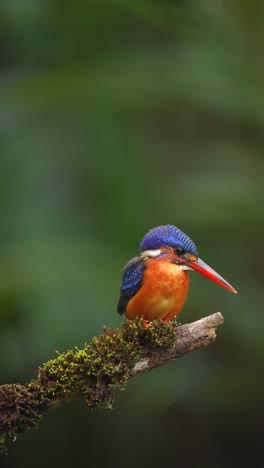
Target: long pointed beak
[[209, 273]]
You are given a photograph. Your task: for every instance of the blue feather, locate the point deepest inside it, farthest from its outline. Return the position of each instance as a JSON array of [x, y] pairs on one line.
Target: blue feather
[[167, 235], [133, 275], [132, 280]]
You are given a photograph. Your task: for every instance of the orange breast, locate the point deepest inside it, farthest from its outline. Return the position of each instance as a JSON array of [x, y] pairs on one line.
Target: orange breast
[[163, 292]]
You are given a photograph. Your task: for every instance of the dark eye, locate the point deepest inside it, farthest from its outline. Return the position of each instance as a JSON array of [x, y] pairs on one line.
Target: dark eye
[[179, 252]]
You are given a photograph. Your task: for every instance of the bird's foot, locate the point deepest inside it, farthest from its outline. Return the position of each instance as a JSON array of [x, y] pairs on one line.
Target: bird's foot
[[172, 323]]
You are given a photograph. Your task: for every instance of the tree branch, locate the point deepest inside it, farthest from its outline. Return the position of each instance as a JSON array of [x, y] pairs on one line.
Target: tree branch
[[189, 337], [98, 369]]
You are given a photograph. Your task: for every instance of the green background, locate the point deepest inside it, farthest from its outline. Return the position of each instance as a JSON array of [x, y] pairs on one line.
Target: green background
[[115, 117]]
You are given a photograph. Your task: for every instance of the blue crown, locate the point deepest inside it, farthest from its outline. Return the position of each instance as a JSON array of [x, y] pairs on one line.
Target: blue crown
[[167, 235]]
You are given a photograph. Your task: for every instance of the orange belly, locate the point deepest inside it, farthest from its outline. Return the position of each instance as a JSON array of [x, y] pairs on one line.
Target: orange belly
[[162, 294]]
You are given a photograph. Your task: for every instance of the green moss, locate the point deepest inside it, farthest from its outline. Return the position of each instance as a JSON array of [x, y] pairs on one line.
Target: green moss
[[156, 334], [103, 365], [93, 372], [21, 408]]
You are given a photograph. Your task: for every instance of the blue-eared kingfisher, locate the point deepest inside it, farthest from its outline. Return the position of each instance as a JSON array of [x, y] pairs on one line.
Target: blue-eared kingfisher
[[155, 283]]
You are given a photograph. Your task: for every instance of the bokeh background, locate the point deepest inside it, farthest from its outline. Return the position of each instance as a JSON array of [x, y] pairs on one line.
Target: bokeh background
[[115, 117]]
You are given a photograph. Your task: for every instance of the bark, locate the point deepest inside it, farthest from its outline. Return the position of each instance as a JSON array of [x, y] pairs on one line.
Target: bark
[[189, 337], [99, 369]]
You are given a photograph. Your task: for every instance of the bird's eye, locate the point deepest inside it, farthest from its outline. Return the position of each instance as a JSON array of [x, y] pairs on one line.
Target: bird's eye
[[179, 252]]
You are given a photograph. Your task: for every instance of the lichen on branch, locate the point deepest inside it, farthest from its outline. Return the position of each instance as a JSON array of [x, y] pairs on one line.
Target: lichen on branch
[[98, 369]]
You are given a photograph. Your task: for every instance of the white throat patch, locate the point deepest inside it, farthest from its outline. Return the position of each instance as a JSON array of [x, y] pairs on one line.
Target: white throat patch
[[185, 267]]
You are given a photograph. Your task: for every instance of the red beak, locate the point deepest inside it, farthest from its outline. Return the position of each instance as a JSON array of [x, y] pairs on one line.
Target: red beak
[[209, 273]]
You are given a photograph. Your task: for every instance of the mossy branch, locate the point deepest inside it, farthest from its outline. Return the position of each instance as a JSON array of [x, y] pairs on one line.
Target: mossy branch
[[98, 369]]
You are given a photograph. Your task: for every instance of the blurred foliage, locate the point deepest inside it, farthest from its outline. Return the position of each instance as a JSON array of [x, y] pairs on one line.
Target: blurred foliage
[[116, 117]]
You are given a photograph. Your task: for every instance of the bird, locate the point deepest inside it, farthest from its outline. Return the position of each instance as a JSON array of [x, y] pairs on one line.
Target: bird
[[155, 283]]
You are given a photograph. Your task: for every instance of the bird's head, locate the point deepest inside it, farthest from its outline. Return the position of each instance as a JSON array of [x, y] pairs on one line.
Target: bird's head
[[170, 241]]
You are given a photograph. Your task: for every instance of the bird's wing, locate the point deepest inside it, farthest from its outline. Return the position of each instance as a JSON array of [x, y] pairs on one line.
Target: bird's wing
[[132, 279]]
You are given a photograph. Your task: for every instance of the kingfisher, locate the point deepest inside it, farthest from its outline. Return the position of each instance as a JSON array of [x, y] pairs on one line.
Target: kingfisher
[[155, 284]]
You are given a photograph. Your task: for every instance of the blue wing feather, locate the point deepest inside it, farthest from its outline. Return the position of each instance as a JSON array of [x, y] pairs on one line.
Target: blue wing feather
[[132, 280]]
